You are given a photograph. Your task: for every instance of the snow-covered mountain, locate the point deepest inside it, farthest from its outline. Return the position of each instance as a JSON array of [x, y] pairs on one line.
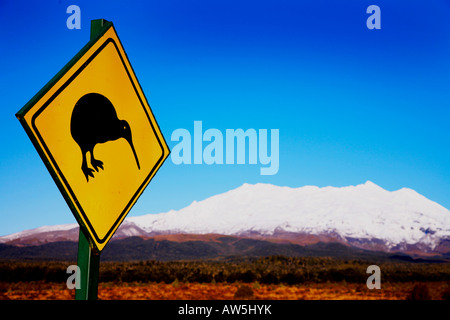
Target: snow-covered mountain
[[365, 216]]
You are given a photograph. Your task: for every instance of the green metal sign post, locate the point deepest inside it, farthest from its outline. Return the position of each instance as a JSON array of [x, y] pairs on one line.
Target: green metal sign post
[[88, 259], [89, 264]]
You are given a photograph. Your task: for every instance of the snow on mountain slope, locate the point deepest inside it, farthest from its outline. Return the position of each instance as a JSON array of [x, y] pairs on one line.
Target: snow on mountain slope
[[365, 211], [48, 232], [362, 214], [64, 232]]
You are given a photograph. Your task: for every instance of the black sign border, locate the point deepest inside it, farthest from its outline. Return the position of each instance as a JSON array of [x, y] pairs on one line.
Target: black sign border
[[75, 205]]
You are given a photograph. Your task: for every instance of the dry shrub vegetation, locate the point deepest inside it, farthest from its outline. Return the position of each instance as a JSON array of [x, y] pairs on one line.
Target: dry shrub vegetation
[[270, 278]]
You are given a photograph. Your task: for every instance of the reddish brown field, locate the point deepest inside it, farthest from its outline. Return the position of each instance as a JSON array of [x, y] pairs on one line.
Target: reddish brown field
[[222, 291]]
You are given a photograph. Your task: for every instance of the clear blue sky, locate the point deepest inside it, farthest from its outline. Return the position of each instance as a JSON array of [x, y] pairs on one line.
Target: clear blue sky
[[351, 104]]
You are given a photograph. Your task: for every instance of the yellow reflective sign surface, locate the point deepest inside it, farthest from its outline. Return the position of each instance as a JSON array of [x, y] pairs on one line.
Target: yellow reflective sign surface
[[98, 137]]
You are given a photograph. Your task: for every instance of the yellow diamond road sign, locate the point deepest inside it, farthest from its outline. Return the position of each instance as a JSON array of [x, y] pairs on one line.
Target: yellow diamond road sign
[[97, 135]]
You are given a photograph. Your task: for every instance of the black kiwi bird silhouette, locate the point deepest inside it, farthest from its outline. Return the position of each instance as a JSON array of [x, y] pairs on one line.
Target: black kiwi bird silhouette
[[94, 120]]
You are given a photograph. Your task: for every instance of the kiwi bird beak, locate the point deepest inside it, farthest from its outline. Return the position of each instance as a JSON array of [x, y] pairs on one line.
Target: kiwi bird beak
[[134, 152]]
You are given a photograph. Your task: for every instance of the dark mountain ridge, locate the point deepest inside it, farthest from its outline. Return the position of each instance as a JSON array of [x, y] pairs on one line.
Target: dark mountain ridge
[[211, 247]]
